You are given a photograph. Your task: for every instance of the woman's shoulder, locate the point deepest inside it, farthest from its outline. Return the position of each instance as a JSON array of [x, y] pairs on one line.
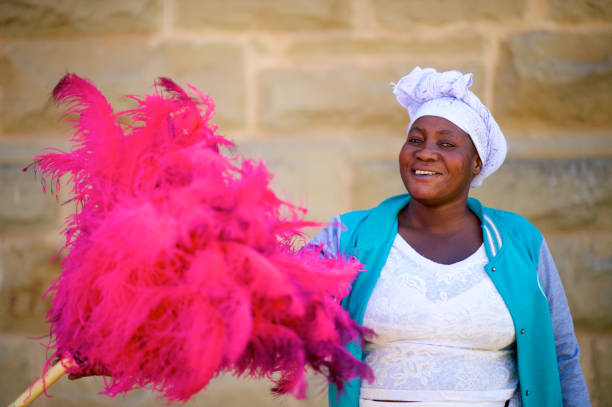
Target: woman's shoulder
[[516, 227], [508, 217], [510, 220], [352, 218], [330, 236]]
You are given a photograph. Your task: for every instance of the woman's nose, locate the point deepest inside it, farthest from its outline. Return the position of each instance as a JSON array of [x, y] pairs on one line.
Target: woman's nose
[[426, 152]]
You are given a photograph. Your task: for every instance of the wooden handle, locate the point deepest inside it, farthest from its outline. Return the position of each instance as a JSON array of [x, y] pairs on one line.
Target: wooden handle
[[42, 383]]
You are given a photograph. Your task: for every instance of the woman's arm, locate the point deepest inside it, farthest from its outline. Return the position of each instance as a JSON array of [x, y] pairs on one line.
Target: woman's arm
[[573, 385], [329, 237]]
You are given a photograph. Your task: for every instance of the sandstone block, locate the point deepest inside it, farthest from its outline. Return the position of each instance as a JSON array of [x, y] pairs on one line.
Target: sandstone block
[[306, 173], [38, 17], [21, 197], [359, 99], [29, 71], [555, 79], [584, 262], [19, 153], [554, 194], [580, 10], [375, 180], [398, 14], [461, 48], [559, 144], [313, 100], [26, 271], [264, 15]]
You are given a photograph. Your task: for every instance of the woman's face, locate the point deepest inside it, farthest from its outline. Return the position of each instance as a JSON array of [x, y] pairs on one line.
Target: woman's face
[[438, 161]]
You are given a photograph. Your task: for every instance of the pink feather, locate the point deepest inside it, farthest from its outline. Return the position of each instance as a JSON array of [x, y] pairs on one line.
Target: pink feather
[[179, 260]]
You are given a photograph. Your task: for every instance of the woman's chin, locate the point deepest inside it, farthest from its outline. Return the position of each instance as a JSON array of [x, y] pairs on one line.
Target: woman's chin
[[424, 192], [427, 199], [437, 196]]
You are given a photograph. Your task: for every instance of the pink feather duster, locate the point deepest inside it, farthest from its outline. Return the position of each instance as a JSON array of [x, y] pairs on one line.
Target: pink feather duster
[[179, 260]]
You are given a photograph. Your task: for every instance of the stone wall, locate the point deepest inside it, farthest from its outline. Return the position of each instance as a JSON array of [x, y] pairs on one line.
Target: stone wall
[[305, 86]]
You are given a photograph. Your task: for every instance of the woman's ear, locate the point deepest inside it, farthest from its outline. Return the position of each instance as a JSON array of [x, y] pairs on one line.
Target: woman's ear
[[477, 165]]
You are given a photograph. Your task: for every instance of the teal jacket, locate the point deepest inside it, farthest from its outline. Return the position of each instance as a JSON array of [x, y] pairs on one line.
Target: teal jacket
[[513, 247]]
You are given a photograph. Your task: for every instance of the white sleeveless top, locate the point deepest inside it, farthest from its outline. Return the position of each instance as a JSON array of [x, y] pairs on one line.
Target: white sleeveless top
[[445, 336]]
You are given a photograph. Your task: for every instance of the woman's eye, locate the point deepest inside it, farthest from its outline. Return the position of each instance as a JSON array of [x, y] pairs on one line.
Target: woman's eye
[[447, 145], [414, 140]]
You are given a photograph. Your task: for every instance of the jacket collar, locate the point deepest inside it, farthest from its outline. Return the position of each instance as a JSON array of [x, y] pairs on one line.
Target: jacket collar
[[490, 233], [382, 221]]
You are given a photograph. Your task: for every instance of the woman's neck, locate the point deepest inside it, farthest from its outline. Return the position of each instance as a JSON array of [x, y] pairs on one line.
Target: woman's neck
[[444, 234], [442, 219]]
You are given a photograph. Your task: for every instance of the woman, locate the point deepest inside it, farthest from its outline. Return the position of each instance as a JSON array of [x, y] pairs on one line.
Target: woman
[[466, 301]]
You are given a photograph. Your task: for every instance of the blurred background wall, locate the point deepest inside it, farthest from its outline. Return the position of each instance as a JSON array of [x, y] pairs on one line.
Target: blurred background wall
[[304, 85]]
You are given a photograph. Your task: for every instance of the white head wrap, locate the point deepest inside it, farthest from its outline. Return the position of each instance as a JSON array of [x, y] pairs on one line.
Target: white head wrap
[[427, 92]]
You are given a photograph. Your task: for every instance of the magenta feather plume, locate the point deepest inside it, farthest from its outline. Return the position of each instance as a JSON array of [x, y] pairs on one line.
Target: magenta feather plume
[[179, 259]]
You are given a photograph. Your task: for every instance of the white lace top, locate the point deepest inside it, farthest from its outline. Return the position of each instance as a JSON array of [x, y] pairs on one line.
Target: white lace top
[[444, 333]]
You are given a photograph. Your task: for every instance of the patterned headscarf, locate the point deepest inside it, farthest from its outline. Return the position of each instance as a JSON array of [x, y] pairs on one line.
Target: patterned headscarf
[[427, 92]]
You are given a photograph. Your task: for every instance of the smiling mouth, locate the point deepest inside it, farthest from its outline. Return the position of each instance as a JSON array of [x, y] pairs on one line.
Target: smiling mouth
[[422, 172]]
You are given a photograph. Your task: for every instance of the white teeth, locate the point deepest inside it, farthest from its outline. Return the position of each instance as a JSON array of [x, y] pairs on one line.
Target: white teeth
[[421, 172]]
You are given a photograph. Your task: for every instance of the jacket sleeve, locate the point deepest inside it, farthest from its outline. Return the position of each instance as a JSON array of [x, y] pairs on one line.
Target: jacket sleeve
[[573, 385], [329, 238]]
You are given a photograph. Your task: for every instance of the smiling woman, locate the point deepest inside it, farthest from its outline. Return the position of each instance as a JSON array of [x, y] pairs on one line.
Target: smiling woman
[[466, 301], [437, 164]]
